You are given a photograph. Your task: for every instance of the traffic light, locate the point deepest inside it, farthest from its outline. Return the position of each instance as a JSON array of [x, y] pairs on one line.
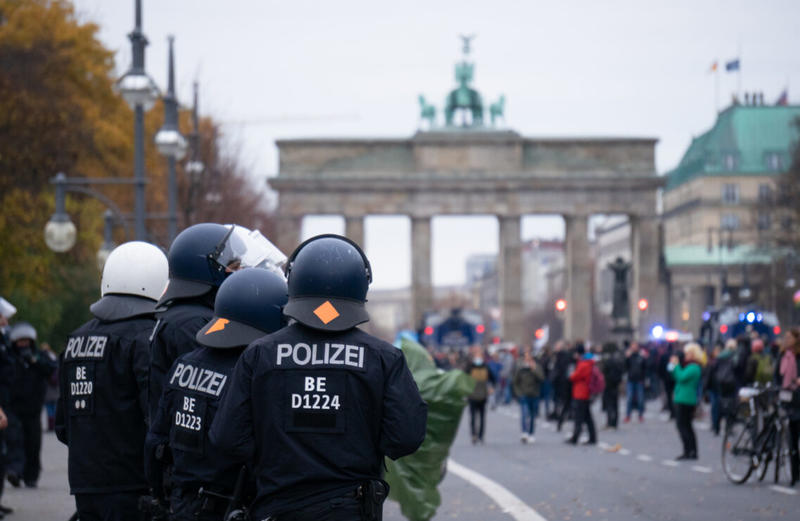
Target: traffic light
[[480, 329], [643, 304], [428, 330], [539, 334], [561, 305]]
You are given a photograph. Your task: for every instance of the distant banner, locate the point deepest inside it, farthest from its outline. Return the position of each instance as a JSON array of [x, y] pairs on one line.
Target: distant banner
[[732, 65]]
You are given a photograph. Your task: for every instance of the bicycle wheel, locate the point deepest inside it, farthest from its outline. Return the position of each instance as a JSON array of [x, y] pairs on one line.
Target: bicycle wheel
[[737, 451], [783, 470]]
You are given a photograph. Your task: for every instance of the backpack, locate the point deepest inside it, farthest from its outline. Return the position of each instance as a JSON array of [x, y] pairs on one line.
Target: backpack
[[597, 382], [725, 376], [764, 369]]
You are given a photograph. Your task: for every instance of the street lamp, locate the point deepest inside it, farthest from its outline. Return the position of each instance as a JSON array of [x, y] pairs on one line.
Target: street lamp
[[140, 92], [171, 144], [194, 167], [108, 240], [60, 232]]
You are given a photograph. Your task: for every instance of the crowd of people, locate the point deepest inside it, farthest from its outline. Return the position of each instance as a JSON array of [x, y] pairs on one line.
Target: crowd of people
[[565, 379]]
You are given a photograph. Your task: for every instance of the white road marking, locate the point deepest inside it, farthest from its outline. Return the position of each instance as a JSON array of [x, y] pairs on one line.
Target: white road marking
[[644, 457], [603, 445], [704, 470], [624, 452], [507, 501], [784, 490], [670, 463]]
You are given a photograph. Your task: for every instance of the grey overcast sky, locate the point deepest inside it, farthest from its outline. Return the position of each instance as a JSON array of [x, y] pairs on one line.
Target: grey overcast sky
[[302, 68]]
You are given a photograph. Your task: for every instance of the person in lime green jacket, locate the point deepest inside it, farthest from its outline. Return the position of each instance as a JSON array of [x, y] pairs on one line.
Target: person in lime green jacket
[[687, 378]]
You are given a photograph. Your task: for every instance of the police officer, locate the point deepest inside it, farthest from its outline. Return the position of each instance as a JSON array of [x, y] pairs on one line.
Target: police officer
[[316, 406], [248, 306], [102, 408], [31, 370], [200, 258]]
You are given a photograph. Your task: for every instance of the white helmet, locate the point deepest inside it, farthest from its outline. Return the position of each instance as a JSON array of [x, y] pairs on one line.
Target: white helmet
[[135, 268]]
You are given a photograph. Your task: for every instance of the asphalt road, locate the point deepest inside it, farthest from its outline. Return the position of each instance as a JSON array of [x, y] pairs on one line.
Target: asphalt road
[[631, 474]]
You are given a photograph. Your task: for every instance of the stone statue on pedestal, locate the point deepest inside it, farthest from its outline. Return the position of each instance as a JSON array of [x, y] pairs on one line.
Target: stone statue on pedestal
[[621, 307]]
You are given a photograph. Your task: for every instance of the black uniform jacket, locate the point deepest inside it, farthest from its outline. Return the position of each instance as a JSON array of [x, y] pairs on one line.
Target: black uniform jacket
[[29, 373], [102, 407], [195, 384], [173, 336], [314, 412]]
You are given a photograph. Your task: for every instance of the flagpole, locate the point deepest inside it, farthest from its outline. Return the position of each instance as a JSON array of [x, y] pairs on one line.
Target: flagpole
[[716, 89]]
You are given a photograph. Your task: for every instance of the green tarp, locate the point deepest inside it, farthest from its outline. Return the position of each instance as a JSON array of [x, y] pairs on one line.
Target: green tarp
[[414, 478]]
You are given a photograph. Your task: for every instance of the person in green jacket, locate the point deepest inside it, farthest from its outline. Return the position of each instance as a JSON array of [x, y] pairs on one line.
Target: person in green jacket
[[687, 378], [527, 381]]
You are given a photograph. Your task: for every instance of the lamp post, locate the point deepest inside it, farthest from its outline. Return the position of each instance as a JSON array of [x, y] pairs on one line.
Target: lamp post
[[194, 167], [60, 232], [171, 144], [108, 239], [140, 92]]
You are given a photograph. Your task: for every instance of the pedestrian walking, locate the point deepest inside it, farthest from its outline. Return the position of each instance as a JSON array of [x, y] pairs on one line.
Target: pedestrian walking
[[710, 390], [51, 396], [790, 395], [565, 360], [249, 305], [527, 380], [687, 375], [635, 370], [314, 408], [101, 414], [613, 371], [581, 396], [32, 369], [546, 360], [484, 382]]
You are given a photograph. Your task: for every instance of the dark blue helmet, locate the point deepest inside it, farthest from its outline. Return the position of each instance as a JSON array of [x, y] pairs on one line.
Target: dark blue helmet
[[249, 305], [200, 258], [328, 280]]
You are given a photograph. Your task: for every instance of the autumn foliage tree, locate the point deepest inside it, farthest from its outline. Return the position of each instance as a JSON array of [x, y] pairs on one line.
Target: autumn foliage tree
[[59, 113]]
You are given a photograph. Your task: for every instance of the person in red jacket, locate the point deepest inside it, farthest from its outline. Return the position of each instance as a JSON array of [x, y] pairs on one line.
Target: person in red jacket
[[580, 379]]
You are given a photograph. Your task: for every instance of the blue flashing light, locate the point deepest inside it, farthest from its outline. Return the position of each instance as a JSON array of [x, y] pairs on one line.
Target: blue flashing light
[[706, 316], [741, 317], [657, 331], [759, 317], [751, 317]]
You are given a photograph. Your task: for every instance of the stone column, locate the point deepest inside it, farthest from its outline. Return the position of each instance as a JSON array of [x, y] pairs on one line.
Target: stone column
[[354, 229], [578, 324], [421, 280], [510, 283], [288, 229], [645, 260]]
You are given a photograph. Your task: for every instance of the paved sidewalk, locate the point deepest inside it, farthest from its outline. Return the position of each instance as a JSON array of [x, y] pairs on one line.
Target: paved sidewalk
[[51, 500]]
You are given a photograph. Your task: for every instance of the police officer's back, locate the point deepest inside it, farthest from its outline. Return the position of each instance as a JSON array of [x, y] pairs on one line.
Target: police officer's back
[[200, 258], [102, 407], [317, 405], [248, 306]]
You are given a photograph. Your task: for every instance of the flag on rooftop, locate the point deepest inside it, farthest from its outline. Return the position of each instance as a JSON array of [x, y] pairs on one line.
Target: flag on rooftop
[[714, 66], [783, 100], [732, 65]]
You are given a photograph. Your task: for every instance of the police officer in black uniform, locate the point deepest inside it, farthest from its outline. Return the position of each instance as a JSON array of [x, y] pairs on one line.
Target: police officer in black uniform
[[102, 408], [248, 306], [200, 258], [316, 406], [32, 368]]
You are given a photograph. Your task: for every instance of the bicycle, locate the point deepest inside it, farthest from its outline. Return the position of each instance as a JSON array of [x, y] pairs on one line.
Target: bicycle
[[756, 438]]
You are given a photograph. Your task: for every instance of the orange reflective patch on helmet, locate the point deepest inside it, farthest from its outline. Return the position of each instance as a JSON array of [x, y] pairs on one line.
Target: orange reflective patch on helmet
[[326, 312], [219, 325]]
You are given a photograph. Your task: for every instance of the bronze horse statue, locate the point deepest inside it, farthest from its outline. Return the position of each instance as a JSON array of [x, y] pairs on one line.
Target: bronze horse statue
[[463, 97]]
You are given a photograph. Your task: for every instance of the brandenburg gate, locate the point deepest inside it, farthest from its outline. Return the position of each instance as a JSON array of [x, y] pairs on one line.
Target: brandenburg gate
[[475, 169]]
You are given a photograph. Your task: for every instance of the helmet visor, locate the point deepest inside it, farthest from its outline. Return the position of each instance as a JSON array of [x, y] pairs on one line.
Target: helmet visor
[[227, 256], [259, 251]]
